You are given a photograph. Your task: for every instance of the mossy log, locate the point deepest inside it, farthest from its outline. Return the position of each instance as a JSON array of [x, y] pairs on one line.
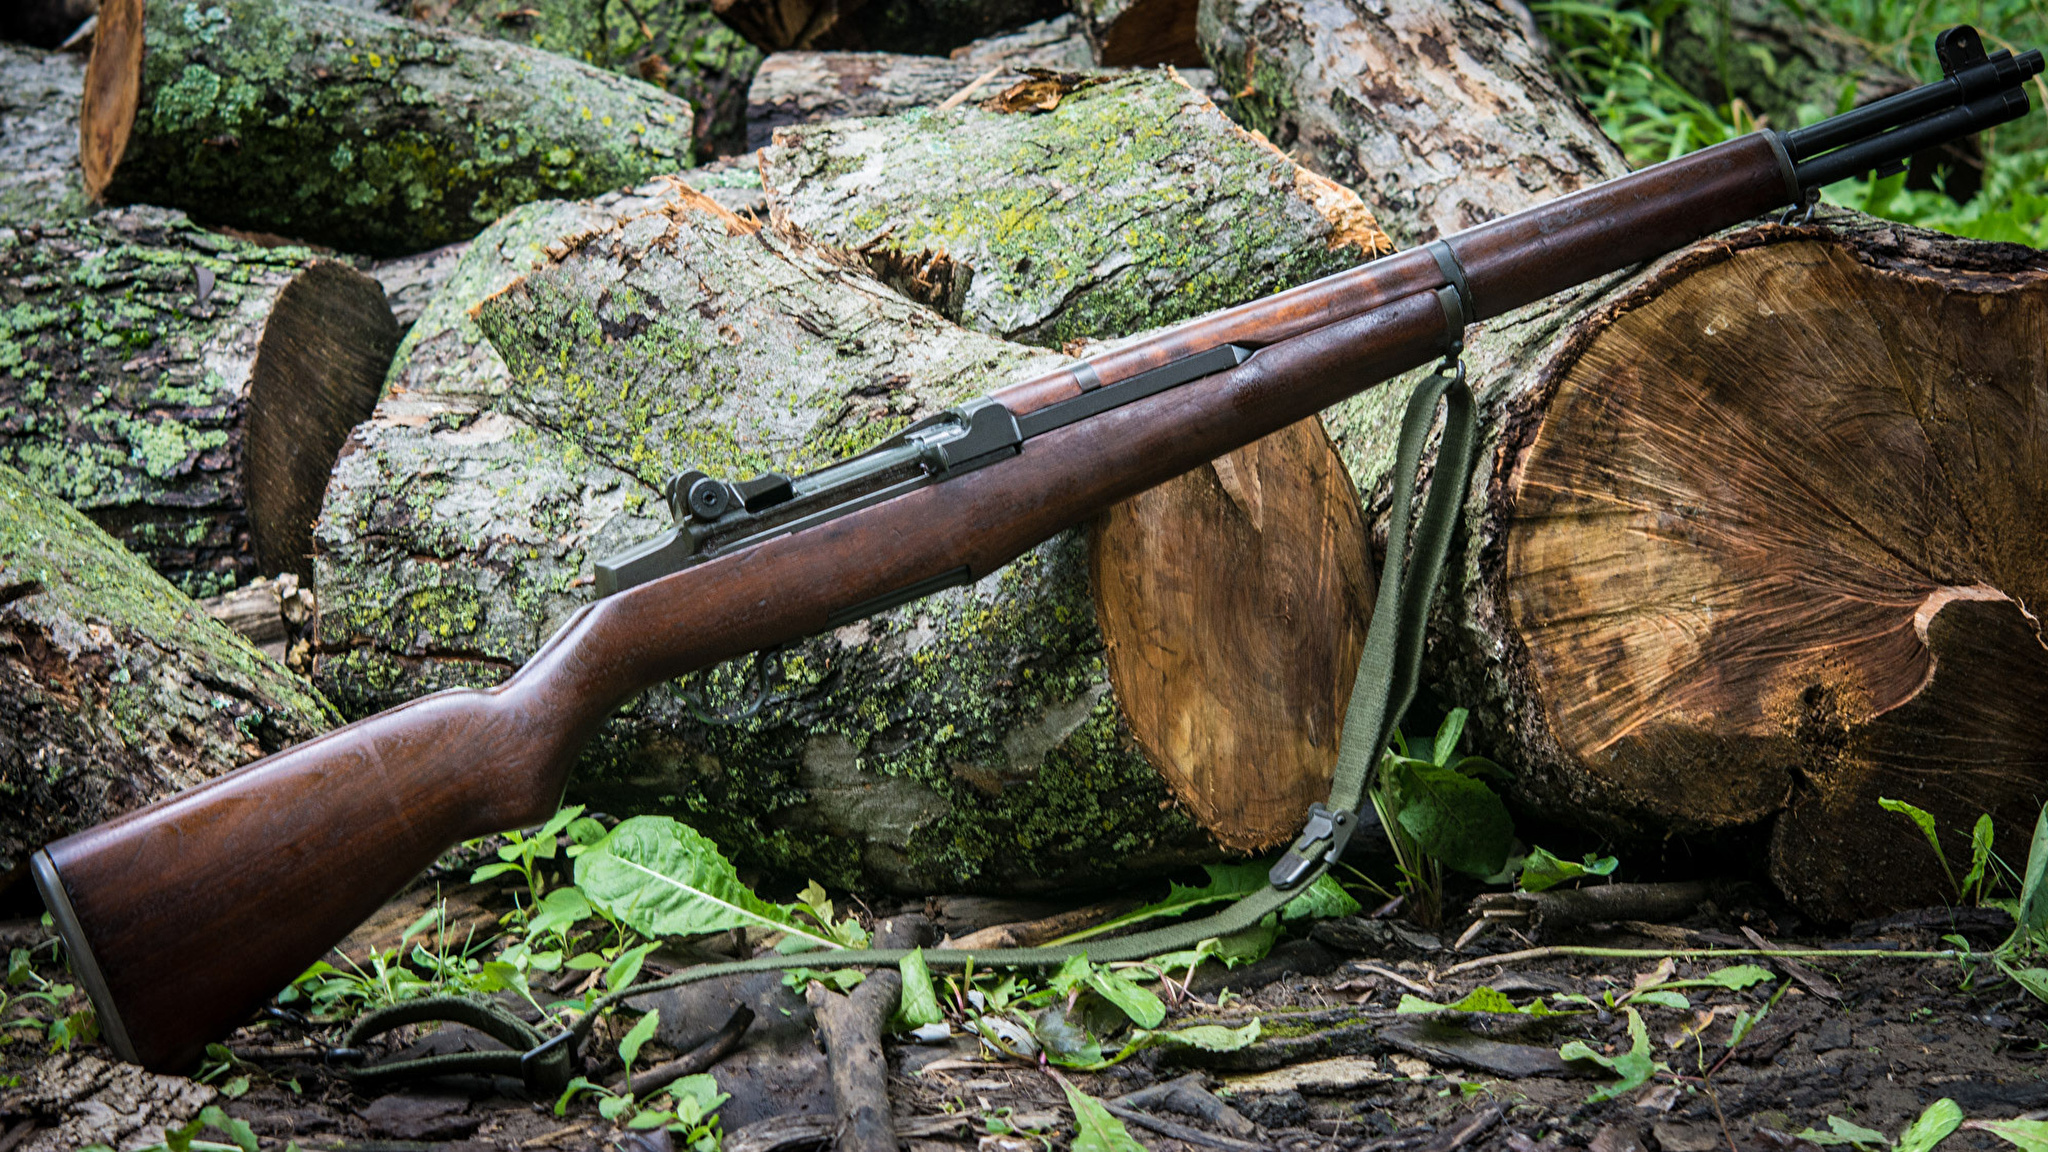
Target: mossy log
[[972, 740], [186, 390], [1230, 598], [39, 93], [358, 131], [918, 27], [1727, 561], [115, 689], [1443, 115], [676, 44]]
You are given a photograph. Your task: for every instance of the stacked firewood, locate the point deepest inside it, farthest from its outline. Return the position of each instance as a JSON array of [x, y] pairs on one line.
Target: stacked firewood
[[382, 327]]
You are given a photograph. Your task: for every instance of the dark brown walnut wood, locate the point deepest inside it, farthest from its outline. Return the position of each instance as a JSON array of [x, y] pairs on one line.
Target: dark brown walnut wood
[[278, 860], [1234, 603], [1773, 550]]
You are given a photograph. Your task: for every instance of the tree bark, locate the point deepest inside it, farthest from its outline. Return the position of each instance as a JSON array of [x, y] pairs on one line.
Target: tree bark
[[1232, 602], [1142, 33], [186, 390], [39, 93], [970, 740], [794, 88], [115, 689], [1442, 115], [1724, 564], [354, 130], [676, 44]]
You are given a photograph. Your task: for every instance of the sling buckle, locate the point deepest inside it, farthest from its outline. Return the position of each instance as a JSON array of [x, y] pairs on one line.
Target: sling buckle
[[1324, 827]]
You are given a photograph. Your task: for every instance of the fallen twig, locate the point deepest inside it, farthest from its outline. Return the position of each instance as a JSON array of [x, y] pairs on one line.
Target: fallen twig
[[851, 1027], [694, 1061], [1396, 977], [1807, 977], [1187, 1096]]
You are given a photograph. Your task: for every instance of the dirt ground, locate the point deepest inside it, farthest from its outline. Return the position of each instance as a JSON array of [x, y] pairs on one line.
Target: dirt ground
[[1872, 1040]]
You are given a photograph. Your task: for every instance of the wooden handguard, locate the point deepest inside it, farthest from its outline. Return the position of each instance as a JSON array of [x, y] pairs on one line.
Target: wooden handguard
[[183, 917]]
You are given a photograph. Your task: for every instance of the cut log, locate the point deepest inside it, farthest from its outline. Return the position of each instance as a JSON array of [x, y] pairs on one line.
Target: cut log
[[354, 130], [1725, 563], [1232, 602], [186, 390], [1443, 115], [918, 27], [115, 689], [676, 44], [39, 93], [968, 741], [1057, 43]]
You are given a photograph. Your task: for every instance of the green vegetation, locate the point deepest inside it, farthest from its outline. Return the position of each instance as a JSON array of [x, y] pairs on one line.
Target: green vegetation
[[1974, 885], [1440, 814], [1616, 53]]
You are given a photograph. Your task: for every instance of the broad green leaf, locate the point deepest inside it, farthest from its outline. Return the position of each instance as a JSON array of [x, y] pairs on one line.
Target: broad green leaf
[[1095, 1130], [583, 831], [1453, 818], [237, 1130], [662, 878], [1661, 997], [1543, 870], [641, 1032], [920, 1005], [626, 968], [557, 822], [2027, 1135], [1940, 1119], [1925, 820], [2033, 891], [1634, 1067], [579, 1084], [1141, 1006], [1736, 977], [487, 871], [1323, 900]]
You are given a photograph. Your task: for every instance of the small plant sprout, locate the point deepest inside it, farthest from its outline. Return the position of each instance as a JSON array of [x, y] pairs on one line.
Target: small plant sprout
[[1971, 889], [1439, 813]]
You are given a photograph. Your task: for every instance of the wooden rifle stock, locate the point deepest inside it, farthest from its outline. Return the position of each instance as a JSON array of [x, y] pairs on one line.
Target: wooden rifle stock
[[183, 917]]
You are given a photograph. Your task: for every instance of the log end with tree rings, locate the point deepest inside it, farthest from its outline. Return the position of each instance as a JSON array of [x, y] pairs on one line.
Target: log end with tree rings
[[1233, 604], [1773, 551]]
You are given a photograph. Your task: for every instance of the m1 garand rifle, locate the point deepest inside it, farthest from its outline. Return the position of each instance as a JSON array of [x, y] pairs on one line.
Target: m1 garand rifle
[[182, 918]]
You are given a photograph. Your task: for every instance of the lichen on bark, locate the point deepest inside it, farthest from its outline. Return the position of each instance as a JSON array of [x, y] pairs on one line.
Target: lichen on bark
[[373, 134], [115, 688]]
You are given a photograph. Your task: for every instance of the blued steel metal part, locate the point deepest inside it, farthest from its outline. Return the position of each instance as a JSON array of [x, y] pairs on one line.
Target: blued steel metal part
[[1325, 838]]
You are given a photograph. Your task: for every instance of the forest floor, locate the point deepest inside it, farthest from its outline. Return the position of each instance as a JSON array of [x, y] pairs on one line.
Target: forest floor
[[1871, 1040]]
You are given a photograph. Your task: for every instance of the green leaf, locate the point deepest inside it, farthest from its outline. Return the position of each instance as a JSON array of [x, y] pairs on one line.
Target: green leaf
[[626, 968], [237, 1130], [641, 1032], [1447, 737], [1543, 870], [1095, 1130], [1251, 944], [612, 1107], [1634, 1067], [1980, 852], [2027, 1135], [1844, 1132], [1323, 900], [1934, 1125], [558, 911], [1140, 1005], [1453, 818], [1480, 999], [662, 878], [1736, 977], [584, 831], [489, 870], [556, 823], [579, 1084], [1207, 1037], [920, 1005], [2033, 891], [840, 980], [1064, 1040], [1925, 820]]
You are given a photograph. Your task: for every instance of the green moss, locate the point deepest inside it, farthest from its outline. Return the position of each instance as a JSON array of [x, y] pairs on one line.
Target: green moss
[[410, 137]]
